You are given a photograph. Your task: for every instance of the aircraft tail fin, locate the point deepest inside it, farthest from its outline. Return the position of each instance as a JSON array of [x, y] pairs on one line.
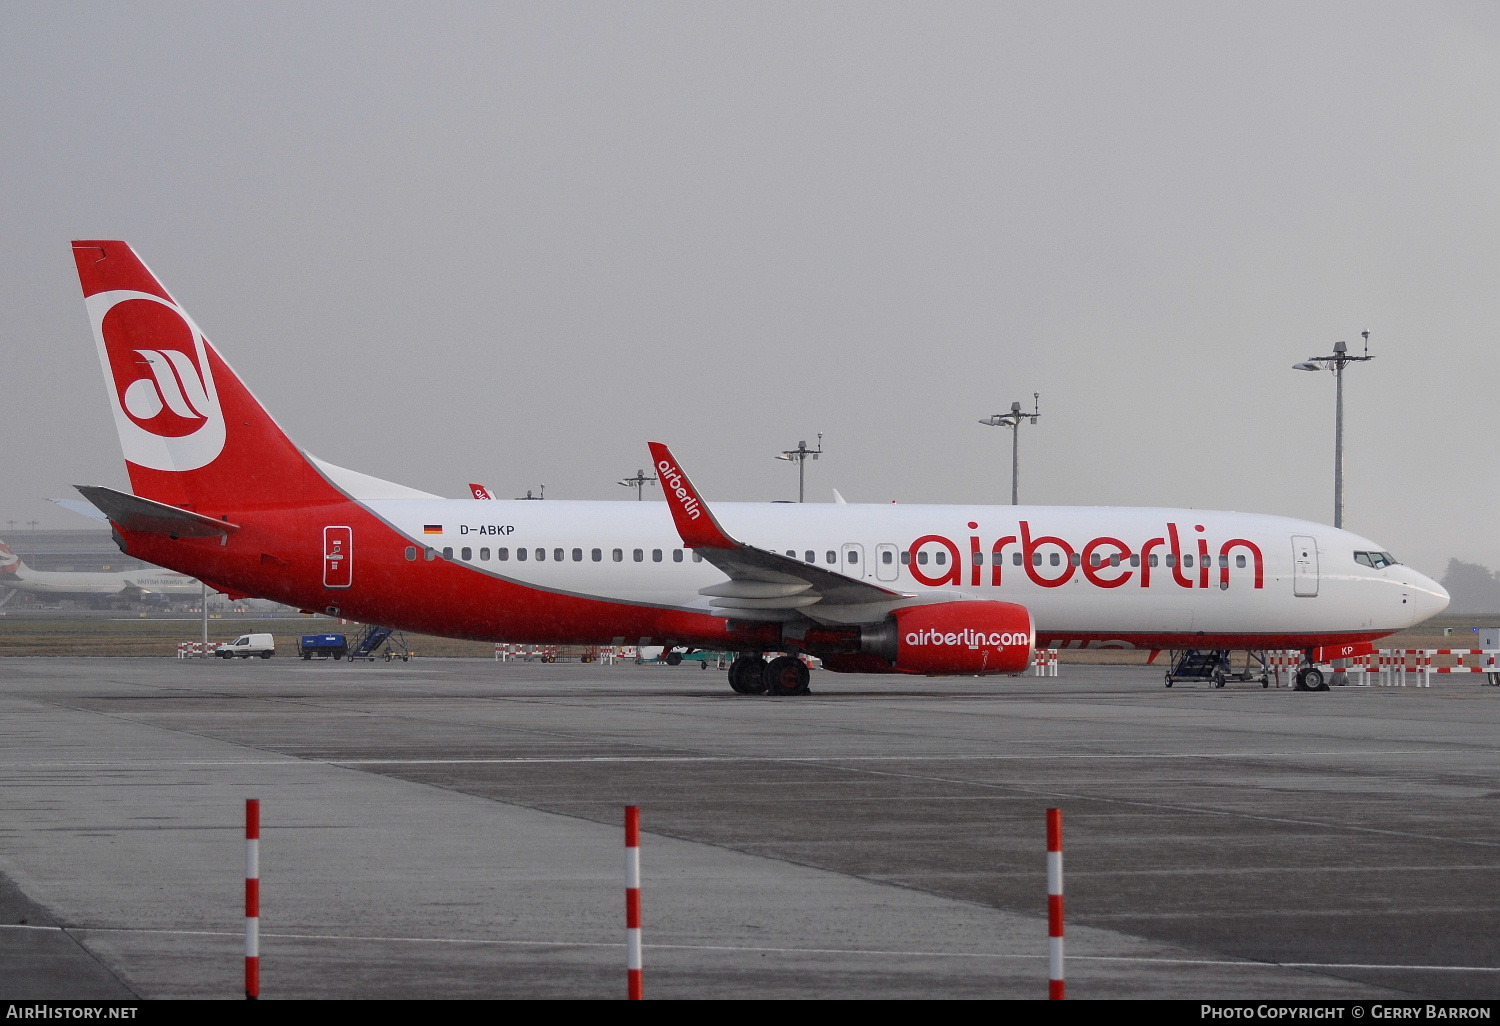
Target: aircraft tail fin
[[10, 563], [193, 435]]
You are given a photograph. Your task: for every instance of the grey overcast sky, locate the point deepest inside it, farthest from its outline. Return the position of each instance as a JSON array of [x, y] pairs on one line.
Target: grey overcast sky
[[511, 242]]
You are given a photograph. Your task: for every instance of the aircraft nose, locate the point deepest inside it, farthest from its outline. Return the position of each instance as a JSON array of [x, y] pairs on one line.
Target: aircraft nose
[[1428, 597]]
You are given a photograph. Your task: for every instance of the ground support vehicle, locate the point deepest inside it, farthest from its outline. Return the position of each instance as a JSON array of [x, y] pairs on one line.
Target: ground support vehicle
[[1215, 667], [323, 646], [247, 645]]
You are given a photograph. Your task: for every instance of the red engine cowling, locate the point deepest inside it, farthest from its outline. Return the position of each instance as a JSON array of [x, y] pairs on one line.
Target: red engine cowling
[[954, 639]]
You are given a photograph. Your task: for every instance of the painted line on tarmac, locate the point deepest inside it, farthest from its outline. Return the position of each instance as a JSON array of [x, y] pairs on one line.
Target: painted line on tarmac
[[881, 953], [566, 760]]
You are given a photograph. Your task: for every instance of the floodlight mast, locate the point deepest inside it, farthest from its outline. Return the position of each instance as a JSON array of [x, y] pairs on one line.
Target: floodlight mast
[[638, 482], [1336, 363], [799, 456], [1013, 420]]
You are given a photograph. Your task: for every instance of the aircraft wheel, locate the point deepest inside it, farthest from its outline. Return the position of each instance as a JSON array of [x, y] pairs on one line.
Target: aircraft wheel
[[1168, 680], [786, 675], [747, 675], [1311, 679], [672, 659], [1218, 678]]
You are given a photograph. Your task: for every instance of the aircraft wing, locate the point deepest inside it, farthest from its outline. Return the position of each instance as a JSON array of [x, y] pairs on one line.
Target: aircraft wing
[[765, 585]]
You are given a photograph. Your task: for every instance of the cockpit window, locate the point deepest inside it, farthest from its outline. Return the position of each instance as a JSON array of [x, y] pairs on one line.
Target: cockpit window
[[1375, 560]]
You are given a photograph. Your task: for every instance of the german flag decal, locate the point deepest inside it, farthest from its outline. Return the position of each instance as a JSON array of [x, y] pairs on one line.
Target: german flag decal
[[432, 529]]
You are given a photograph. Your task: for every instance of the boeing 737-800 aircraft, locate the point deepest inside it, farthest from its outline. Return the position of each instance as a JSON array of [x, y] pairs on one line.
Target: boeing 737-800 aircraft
[[220, 492]]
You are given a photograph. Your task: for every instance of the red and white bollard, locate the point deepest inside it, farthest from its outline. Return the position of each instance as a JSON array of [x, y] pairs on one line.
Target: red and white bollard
[[1056, 988], [636, 983], [252, 899]]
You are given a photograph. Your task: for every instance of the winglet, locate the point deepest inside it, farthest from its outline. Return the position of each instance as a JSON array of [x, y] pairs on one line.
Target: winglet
[[695, 523]]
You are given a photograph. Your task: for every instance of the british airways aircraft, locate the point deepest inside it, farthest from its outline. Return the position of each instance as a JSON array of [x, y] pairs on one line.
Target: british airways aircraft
[[220, 492], [90, 585]]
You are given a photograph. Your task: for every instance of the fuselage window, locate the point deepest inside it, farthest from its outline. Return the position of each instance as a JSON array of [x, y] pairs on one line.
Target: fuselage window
[[466, 553], [905, 558], [597, 555], [1153, 559], [789, 552], [1171, 560], [557, 554], [1223, 559], [922, 558], [1015, 558], [411, 552], [521, 554], [697, 558], [429, 553], [853, 557], [1135, 559], [578, 555], [656, 555], [979, 559], [1056, 559], [677, 555], [484, 555], [502, 554], [1036, 559], [1076, 559], [885, 557], [639, 555], [448, 552], [1187, 560], [541, 555], [1114, 560], [831, 557], [1239, 561], [940, 555], [810, 556], [618, 555]]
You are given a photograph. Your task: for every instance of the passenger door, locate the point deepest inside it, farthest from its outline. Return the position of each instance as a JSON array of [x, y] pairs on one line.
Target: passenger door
[[1304, 566]]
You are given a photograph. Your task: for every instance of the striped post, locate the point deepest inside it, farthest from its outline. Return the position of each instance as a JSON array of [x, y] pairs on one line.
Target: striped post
[[1056, 988], [252, 899], [636, 984]]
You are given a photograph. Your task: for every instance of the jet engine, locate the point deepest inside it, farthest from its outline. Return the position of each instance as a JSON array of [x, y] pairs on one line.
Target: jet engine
[[953, 639]]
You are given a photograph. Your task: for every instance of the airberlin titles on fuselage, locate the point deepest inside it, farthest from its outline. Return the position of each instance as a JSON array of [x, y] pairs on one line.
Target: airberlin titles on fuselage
[[1105, 562]]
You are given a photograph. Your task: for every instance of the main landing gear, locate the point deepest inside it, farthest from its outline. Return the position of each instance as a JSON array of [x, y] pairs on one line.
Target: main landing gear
[[784, 675]]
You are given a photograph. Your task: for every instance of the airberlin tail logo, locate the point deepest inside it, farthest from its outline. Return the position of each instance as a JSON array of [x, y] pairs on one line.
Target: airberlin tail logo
[[162, 390], [673, 480]]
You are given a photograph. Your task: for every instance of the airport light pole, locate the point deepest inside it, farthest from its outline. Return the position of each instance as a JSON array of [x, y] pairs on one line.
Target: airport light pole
[[639, 482], [1013, 420], [1336, 363], [799, 455]]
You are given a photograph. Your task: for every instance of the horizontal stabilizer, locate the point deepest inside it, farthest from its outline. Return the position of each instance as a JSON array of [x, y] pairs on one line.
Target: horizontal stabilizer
[[133, 513], [87, 509]]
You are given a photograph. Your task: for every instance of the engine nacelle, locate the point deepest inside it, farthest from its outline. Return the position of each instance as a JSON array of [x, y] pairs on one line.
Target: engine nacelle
[[954, 639]]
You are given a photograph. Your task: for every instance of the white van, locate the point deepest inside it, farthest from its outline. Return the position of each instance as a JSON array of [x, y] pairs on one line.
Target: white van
[[247, 645]]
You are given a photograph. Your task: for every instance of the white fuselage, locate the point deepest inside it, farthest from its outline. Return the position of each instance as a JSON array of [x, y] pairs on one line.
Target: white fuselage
[[1089, 575]]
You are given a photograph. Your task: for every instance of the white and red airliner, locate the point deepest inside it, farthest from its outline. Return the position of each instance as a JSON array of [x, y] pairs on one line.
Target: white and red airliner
[[221, 493]]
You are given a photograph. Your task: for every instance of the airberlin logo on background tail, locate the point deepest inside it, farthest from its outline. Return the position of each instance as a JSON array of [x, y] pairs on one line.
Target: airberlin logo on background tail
[[672, 480], [166, 408]]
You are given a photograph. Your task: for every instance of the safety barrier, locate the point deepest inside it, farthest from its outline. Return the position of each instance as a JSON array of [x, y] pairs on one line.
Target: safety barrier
[[1397, 664], [508, 651], [1044, 663], [192, 649]]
